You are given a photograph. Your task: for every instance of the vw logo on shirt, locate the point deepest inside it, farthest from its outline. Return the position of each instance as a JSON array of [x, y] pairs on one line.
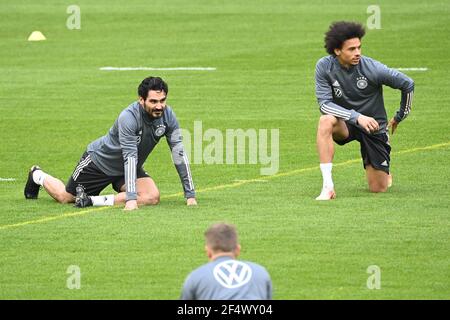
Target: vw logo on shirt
[[232, 273]]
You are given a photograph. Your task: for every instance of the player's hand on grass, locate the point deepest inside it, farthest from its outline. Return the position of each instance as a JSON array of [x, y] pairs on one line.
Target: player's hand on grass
[[131, 205], [392, 125], [191, 202], [368, 123]]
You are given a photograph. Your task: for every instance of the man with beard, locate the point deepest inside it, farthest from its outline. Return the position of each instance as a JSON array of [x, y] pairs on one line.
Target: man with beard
[[117, 158]]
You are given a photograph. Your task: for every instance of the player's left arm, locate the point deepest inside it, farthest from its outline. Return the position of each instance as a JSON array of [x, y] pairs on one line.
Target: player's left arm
[[397, 80], [179, 157], [128, 142]]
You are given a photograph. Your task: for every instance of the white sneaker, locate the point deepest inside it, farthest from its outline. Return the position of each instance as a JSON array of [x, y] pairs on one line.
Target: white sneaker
[[327, 194]]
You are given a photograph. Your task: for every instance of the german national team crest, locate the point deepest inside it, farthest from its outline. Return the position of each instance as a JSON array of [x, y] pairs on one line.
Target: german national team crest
[[160, 130], [361, 82]]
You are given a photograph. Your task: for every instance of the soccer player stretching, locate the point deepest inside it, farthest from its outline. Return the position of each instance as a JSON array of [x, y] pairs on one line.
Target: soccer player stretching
[[349, 90], [117, 157]]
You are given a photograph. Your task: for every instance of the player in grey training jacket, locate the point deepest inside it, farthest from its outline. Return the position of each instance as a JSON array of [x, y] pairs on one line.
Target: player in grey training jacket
[[349, 90], [117, 158], [224, 277]]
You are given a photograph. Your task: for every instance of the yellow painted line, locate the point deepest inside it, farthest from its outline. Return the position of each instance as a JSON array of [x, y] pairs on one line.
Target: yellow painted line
[[220, 187], [47, 219], [432, 147]]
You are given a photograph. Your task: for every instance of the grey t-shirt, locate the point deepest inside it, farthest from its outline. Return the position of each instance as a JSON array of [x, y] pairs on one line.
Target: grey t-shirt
[[226, 278], [347, 93], [132, 138]]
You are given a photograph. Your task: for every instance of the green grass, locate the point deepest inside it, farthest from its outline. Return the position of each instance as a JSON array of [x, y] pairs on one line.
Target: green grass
[[54, 101]]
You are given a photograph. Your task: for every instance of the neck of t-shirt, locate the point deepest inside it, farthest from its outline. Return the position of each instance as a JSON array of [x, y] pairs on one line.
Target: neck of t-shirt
[[220, 255]]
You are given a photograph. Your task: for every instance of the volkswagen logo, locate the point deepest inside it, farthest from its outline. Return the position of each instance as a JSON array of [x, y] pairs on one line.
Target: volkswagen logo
[[232, 273]]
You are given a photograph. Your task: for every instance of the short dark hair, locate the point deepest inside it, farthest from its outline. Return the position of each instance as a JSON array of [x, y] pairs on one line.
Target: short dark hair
[[341, 31], [222, 237], [152, 83]]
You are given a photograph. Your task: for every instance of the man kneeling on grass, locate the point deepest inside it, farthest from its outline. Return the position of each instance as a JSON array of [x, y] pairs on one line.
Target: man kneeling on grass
[[349, 89], [117, 158]]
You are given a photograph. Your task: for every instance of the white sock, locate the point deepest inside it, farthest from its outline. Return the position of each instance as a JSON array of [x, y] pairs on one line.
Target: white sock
[[39, 177], [98, 201], [326, 175]]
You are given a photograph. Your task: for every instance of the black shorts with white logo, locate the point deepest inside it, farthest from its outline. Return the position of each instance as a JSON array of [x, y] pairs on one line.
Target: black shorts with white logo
[[375, 148], [88, 175]]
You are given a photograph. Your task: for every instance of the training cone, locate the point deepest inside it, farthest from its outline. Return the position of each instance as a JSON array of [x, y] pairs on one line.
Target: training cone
[[36, 36]]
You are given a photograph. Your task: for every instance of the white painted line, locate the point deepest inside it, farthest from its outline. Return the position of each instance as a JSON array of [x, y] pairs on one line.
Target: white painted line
[[7, 179], [412, 69], [157, 69]]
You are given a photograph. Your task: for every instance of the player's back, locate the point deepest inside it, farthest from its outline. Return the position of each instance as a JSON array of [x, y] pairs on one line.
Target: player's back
[[228, 279]]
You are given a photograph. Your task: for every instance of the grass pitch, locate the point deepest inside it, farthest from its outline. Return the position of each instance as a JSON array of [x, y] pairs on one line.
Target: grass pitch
[[54, 100]]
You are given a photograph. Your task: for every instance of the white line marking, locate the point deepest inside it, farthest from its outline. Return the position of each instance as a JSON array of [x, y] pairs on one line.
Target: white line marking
[[412, 69], [7, 179], [157, 69]]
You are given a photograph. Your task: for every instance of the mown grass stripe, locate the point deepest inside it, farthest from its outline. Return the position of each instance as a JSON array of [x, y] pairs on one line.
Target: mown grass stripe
[[219, 187]]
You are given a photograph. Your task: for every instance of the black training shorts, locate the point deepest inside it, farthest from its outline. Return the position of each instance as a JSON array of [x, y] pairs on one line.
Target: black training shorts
[[375, 148], [93, 180]]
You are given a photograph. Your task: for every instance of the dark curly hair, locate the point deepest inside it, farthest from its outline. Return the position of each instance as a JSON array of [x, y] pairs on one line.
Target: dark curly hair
[[341, 31], [152, 83]]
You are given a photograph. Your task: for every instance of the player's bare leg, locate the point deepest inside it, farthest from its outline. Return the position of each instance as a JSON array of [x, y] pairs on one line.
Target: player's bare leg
[[378, 180], [54, 187], [330, 128], [57, 190], [147, 192], [390, 180]]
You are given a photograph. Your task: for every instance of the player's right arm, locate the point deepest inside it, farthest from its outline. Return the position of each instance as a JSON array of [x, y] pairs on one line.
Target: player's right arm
[[269, 288], [188, 291], [128, 126], [324, 96]]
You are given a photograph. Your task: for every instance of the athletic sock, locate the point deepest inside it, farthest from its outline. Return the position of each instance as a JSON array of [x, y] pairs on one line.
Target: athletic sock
[[98, 201], [326, 175], [39, 177]]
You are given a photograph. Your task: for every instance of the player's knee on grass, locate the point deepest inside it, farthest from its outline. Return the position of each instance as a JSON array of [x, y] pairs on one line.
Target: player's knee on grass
[[378, 180], [149, 198], [378, 186]]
